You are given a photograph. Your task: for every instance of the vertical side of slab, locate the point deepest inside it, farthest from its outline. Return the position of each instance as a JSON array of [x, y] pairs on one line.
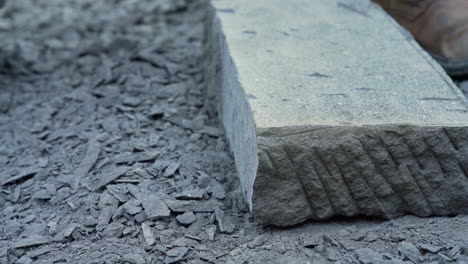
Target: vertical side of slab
[[233, 108]]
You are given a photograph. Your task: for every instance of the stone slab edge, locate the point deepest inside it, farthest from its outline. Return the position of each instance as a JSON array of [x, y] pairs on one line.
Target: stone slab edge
[[289, 175]]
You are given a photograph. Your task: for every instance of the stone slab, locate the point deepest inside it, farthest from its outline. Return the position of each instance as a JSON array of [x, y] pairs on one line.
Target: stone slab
[[332, 109]]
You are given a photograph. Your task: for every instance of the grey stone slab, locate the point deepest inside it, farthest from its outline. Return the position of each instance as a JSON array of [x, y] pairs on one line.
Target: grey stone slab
[[332, 109]]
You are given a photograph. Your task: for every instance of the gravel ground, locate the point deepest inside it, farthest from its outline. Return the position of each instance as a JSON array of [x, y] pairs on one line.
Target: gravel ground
[[109, 154]]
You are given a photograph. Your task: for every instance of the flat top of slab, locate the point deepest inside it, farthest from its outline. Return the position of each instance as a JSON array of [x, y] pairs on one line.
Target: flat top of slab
[[315, 62]]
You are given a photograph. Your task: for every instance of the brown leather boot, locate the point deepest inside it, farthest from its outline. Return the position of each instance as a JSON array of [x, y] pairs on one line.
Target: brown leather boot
[[440, 26]]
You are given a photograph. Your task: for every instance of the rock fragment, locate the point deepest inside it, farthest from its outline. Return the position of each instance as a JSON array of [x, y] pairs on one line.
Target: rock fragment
[[314, 241], [141, 217], [368, 256], [156, 112], [113, 230], [224, 222], [193, 206], [186, 218], [119, 191], [175, 255], [131, 101], [134, 258], [24, 174], [218, 191], [90, 158], [5, 101], [171, 169], [193, 194], [52, 225], [211, 232], [333, 254], [148, 233], [90, 221], [110, 176], [24, 260], [132, 207], [34, 240], [429, 248], [106, 199], [42, 195], [155, 207], [454, 253], [105, 217], [371, 236], [257, 242], [409, 251], [136, 157], [65, 233], [38, 252]]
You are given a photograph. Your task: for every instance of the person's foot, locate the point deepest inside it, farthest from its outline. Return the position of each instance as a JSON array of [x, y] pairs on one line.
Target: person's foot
[[440, 26]]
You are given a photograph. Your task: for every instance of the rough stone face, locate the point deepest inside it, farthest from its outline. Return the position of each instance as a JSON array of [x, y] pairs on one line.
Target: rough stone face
[[333, 110], [374, 171]]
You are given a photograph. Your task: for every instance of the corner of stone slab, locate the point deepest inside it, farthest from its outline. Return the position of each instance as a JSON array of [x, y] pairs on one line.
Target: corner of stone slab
[[285, 206]]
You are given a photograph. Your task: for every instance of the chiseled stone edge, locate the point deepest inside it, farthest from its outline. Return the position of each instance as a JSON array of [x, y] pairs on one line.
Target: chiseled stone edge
[[383, 171]]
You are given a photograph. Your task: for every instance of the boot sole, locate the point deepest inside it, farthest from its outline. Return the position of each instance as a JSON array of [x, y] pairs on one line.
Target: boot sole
[[454, 68]]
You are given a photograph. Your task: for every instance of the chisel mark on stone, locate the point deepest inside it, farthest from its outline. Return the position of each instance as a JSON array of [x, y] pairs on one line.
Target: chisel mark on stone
[[353, 9], [336, 94], [329, 180], [421, 165], [450, 138], [318, 75], [455, 110], [434, 155], [463, 169], [361, 174], [420, 189], [382, 142], [325, 188], [377, 167], [271, 160], [438, 99], [226, 10], [250, 32], [299, 180], [365, 89], [341, 174]]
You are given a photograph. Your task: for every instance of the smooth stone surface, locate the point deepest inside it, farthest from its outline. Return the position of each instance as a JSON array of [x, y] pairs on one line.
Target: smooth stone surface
[[330, 108]]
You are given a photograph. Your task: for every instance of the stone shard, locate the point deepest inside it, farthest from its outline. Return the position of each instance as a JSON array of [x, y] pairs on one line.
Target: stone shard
[[110, 176], [90, 158], [136, 157], [5, 101], [22, 175], [155, 207], [366, 126], [175, 255], [148, 233], [186, 218], [193, 194], [34, 240]]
